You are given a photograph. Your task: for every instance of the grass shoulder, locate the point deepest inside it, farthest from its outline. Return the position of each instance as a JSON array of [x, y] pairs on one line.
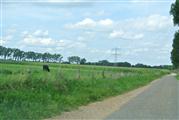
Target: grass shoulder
[[177, 73], [177, 76]]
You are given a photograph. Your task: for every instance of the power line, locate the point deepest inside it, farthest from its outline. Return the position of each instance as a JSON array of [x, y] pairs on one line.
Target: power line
[[116, 54]]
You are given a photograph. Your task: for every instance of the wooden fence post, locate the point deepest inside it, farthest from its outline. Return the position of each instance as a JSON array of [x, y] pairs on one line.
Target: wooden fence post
[[103, 74], [79, 73]]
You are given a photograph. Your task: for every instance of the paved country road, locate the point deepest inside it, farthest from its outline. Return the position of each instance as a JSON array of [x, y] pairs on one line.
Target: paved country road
[[159, 102]]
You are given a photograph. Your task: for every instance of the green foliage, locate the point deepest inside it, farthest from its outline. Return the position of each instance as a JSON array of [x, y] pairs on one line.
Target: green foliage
[[175, 51], [104, 62], [4, 71], [177, 72], [82, 61], [18, 55], [26, 92], [175, 12], [177, 76], [74, 59]]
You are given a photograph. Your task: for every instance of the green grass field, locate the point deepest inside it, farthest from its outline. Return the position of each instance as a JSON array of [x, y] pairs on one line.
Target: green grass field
[[27, 92]]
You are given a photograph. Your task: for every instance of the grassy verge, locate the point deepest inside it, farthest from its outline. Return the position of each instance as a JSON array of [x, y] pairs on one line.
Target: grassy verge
[[177, 73], [26, 92], [177, 76]]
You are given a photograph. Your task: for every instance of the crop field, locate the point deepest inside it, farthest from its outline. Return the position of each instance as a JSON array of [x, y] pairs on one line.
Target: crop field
[[28, 92]]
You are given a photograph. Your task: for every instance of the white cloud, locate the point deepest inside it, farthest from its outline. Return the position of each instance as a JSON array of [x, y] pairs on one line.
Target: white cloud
[[116, 34], [86, 23], [42, 39], [64, 44], [133, 28], [125, 35], [106, 22], [32, 40], [151, 23], [24, 33], [41, 33], [38, 38], [138, 36], [8, 36], [77, 45], [90, 23], [2, 42], [68, 44]]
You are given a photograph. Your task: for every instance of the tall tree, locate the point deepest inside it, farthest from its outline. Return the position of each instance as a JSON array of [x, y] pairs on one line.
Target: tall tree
[[2, 50], [74, 59], [7, 52], [58, 57], [175, 52], [103, 62], [39, 56], [83, 61], [31, 56], [16, 54], [175, 12]]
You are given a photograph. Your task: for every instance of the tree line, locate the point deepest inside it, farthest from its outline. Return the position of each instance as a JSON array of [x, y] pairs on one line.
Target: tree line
[[127, 64], [19, 55]]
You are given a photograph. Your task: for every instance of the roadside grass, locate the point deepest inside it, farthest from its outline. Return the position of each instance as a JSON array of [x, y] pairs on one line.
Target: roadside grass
[[177, 75], [27, 92]]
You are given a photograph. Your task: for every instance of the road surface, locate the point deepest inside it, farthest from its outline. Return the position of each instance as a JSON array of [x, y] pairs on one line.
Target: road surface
[[159, 102]]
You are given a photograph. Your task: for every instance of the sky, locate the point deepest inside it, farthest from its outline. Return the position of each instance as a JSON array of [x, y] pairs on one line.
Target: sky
[[142, 30]]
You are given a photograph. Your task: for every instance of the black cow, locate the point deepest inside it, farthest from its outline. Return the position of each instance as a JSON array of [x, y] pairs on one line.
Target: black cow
[[46, 68]]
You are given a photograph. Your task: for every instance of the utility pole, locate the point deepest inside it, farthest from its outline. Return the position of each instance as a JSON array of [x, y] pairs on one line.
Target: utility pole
[[115, 54]]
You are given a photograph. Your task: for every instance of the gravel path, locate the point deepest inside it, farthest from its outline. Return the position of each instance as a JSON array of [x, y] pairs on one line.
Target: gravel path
[[100, 110], [159, 102]]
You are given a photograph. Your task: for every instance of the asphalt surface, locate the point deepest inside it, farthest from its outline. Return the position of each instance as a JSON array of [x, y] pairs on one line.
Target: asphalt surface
[[159, 102]]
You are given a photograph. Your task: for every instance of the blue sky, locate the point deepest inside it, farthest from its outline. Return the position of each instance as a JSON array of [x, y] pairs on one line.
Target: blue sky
[[141, 29]]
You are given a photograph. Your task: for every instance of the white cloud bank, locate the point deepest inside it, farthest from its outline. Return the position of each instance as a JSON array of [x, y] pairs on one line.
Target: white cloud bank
[[90, 23], [151, 23], [135, 27], [38, 37], [42, 38], [125, 35]]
